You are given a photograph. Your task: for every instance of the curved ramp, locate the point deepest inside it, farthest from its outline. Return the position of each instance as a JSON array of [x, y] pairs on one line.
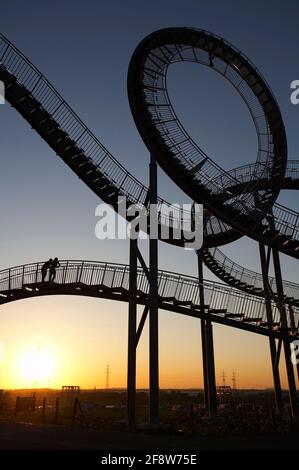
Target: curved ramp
[[177, 293]]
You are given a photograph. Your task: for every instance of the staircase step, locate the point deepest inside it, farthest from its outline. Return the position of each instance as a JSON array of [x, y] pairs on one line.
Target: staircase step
[[57, 135], [73, 152], [290, 330], [289, 299], [217, 310], [287, 241], [113, 199], [63, 144], [240, 283], [17, 91], [109, 190], [29, 103], [282, 237], [198, 307], [168, 299], [87, 166], [102, 182], [118, 290], [46, 127], [39, 116], [252, 320], [182, 302], [234, 315], [93, 175], [78, 159], [270, 233], [269, 325]]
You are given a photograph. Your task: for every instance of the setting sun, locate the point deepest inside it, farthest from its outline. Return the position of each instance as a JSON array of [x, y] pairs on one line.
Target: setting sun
[[37, 365]]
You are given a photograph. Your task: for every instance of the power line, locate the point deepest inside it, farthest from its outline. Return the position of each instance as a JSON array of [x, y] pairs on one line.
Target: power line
[[234, 381], [108, 372]]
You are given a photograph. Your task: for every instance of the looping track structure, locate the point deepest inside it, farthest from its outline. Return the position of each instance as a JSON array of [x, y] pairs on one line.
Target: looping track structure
[[245, 206], [237, 202]]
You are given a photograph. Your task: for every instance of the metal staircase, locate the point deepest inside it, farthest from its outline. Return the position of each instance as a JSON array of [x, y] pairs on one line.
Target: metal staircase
[[245, 279]]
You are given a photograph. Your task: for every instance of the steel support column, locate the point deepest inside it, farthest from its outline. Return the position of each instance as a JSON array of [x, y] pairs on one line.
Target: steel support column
[[286, 344], [293, 325], [272, 343], [131, 378], [211, 368], [202, 327], [208, 349], [153, 302]]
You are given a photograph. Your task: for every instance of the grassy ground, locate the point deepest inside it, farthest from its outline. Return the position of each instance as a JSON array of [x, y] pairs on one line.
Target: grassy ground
[[56, 437]]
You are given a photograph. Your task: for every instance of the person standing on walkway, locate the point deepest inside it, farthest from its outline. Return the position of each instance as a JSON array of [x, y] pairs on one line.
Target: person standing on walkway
[[55, 264], [45, 268]]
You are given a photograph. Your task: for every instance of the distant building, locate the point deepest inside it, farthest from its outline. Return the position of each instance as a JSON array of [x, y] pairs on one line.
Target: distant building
[[224, 393], [68, 395]]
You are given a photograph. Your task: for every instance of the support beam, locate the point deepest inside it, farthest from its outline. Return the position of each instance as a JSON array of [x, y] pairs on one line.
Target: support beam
[[265, 261], [203, 329], [131, 379], [142, 263], [153, 301], [207, 348], [286, 344], [141, 324], [211, 369], [293, 325], [278, 356], [278, 351]]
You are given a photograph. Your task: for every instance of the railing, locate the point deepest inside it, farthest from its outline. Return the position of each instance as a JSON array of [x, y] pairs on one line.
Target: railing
[[251, 278], [184, 150], [292, 170], [252, 171], [110, 275], [286, 221], [52, 102], [170, 128]]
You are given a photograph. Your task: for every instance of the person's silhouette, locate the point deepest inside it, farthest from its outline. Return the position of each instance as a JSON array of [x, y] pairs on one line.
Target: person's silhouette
[[45, 268], [55, 264]]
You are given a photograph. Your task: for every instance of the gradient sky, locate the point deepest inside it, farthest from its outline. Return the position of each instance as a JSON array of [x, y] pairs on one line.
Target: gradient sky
[[84, 50]]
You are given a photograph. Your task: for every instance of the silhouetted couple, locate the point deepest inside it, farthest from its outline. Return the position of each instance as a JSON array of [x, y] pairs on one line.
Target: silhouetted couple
[[50, 266]]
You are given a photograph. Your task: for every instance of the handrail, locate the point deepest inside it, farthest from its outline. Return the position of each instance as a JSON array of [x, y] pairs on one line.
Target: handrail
[[182, 288], [38, 86], [240, 273], [118, 175]]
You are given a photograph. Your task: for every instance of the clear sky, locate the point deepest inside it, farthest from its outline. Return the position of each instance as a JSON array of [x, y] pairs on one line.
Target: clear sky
[[84, 49]]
